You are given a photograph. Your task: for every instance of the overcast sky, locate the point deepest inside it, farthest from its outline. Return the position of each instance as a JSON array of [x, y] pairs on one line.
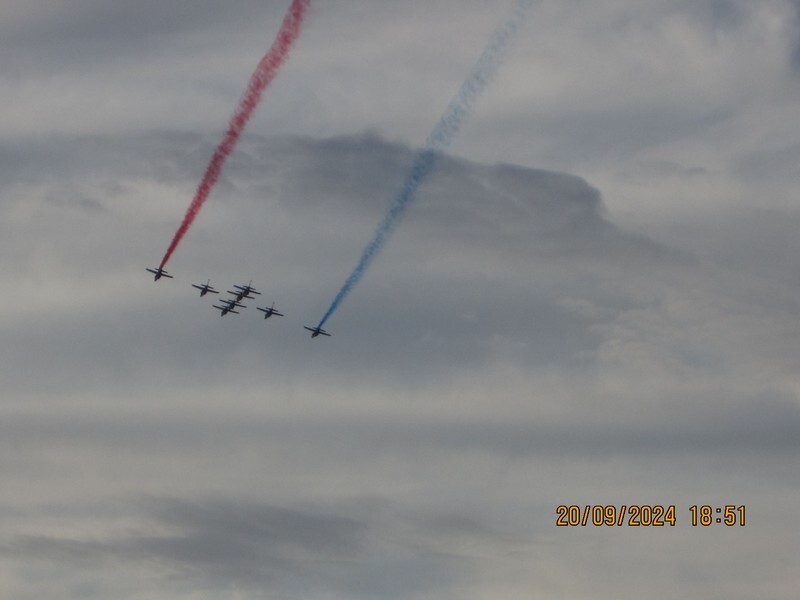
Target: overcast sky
[[592, 301]]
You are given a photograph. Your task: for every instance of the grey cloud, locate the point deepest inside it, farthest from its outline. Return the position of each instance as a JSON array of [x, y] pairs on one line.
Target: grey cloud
[[721, 426], [527, 338], [100, 31], [626, 133], [267, 550], [767, 163], [727, 12], [795, 47], [472, 262]]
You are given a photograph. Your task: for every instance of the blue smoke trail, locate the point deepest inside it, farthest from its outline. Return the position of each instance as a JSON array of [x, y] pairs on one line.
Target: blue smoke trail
[[438, 140]]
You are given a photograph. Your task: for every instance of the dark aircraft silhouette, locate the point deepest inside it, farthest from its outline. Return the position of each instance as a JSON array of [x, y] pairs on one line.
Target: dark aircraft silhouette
[[205, 288], [159, 273], [244, 291], [268, 312], [315, 331], [228, 307]]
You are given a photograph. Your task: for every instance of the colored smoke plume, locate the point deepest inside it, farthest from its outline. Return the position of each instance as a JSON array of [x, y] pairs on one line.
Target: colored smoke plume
[[438, 140], [263, 75]]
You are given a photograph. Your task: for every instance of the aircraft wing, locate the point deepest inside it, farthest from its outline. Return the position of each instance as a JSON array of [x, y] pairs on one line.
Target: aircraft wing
[[317, 331], [159, 273]]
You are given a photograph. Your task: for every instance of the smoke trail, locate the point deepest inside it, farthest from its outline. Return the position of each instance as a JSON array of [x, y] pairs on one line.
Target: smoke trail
[[439, 139], [263, 75]]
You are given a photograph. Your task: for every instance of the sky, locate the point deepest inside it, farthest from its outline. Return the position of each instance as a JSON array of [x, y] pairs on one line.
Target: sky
[[592, 301]]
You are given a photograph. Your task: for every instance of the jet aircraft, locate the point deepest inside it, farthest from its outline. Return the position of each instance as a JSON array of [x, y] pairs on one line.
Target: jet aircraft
[[229, 306], [205, 288], [315, 331], [244, 291], [269, 311], [159, 273]]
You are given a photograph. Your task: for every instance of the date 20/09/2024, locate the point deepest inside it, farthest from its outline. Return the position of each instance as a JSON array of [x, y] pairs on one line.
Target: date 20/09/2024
[[646, 515]]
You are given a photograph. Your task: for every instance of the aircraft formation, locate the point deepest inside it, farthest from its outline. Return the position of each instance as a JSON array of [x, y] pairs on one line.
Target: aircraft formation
[[239, 293], [437, 142]]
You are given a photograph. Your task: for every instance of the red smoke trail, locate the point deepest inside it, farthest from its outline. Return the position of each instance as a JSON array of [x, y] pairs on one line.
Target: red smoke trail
[[263, 75]]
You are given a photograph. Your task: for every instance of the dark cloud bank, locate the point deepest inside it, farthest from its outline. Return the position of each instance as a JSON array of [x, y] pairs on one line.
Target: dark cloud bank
[[486, 252]]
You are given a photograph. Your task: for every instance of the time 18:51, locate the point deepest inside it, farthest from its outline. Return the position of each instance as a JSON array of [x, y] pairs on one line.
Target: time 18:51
[[706, 515]]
